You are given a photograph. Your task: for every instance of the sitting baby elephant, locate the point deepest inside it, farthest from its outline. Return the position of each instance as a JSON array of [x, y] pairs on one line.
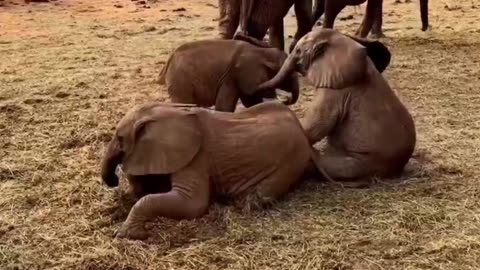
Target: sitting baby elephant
[[196, 155], [370, 132], [219, 72]]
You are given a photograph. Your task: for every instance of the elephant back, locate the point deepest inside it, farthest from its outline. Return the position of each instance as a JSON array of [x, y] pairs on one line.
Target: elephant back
[[195, 70], [254, 141], [270, 130]]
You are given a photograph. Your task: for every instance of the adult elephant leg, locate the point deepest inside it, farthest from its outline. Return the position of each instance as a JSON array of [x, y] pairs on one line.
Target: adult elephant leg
[[424, 14], [332, 8], [368, 18], [229, 18], [246, 14], [227, 97], [276, 35], [303, 13], [258, 31], [318, 10], [378, 21], [188, 199]]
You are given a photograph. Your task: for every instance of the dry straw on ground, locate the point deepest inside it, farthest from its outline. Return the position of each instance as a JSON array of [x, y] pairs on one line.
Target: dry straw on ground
[[70, 69]]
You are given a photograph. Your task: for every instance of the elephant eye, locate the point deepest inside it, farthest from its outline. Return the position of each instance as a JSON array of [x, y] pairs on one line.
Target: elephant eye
[[140, 130], [319, 50], [120, 140]]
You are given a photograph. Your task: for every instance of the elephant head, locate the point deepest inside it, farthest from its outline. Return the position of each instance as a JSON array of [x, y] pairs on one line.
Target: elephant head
[[330, 59], [274, 59], [151, 140]]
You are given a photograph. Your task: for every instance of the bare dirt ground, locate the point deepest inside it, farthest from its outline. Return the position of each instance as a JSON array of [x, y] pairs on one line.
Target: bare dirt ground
[[70, 69]]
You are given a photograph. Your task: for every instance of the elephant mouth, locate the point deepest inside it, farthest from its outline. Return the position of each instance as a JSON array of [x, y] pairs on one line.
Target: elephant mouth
[[156, 183], [300, 68]]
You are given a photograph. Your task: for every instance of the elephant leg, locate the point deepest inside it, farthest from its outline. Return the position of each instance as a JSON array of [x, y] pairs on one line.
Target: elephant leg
[[229, 18], [222, 8], [279, 182], [178, 93], [188, 199], [378, 21], [303, 14], [424, 14], [350, 171], [257, 31], [318, 11], [332, 9], [276, 35], [227, 97], [368, 18], [136, 186]]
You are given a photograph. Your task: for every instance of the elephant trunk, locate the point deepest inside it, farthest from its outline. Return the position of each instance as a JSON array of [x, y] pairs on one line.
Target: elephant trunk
[[113, 156], [292, 86], [286, 70], [424, 14]]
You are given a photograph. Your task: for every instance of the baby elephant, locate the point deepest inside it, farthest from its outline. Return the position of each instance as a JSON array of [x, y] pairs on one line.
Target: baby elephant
[[183, 158], [369, 131], [219, 72]]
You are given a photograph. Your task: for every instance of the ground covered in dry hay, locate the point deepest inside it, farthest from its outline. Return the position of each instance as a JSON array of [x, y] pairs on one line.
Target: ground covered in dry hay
[[70, 69]]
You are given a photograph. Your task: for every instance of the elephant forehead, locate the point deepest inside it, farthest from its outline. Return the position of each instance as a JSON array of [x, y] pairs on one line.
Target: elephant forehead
[[319, 34]]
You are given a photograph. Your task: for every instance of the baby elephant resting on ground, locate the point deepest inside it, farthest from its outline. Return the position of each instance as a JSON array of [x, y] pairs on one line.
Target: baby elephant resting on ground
[[194, 155], [369, 131], [219, 72]]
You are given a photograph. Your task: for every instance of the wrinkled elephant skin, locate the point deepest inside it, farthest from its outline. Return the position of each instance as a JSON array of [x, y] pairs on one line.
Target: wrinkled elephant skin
[[220, 72], [261, 151], [369, 131]]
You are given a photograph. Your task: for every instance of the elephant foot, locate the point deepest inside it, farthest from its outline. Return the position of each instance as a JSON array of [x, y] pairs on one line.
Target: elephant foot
[[132, 231], [360, 32], [378, 35], [363, 183], [425, 28]]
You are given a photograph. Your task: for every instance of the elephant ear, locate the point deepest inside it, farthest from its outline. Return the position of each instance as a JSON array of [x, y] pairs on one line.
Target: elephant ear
[[336, 63], [377, 51], [163, 145]]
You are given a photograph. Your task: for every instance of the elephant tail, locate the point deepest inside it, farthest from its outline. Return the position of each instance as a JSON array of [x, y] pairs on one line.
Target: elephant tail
[[163, 72]]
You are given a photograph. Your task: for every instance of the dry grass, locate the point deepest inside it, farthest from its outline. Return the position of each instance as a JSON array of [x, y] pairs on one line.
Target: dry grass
[[69, 70]]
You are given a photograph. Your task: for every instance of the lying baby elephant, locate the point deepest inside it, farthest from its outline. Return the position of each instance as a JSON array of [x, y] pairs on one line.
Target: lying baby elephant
[[369, 131], [197, 155], [219, 72]]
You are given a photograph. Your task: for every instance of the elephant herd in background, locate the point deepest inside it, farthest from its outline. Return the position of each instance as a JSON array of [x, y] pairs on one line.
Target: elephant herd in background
[[255, 17], [179, 157]]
